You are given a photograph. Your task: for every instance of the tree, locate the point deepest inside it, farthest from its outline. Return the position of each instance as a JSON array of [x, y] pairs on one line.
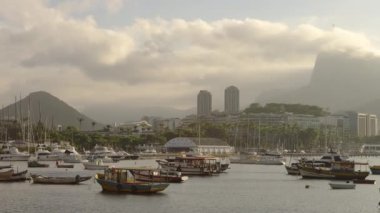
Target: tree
[[93, 124], [80, 123]]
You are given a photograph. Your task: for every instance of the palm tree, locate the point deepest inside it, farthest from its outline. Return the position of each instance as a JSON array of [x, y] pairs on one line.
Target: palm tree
[[93, 124], [80, 123]]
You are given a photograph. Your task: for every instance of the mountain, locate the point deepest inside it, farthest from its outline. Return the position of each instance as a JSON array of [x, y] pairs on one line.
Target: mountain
[[339, 82], [49, 110], [123, 113]]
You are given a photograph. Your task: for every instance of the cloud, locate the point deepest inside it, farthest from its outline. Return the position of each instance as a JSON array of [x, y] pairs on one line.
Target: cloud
[[155, 61]]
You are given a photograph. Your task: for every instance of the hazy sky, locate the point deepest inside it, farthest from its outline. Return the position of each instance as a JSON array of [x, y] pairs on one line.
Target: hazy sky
[[162, 52]]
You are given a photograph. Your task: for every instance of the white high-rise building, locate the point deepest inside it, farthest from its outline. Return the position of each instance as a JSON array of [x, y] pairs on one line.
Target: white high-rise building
[[204, 103], [231, 100]]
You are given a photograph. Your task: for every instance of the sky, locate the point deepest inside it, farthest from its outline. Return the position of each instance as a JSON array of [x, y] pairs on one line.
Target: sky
[[139, 53]]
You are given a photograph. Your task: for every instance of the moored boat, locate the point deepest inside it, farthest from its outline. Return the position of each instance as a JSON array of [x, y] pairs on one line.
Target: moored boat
[[120, 180], [156, 175], [292, 169], [364, 181], [190, 165], [34, 163], [375, 170], [343, 170], [10, 175], [58, 180], [342, 185], [11, 153], [95, 165]]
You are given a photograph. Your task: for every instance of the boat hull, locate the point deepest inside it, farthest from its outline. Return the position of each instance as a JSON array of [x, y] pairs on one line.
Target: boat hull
[[348, 185], [328, 174], [375, 170], [135, 188], [59, 180], [10, 176]]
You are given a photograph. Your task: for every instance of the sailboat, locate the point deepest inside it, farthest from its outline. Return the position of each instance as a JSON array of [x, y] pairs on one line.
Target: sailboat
[[262, 157]]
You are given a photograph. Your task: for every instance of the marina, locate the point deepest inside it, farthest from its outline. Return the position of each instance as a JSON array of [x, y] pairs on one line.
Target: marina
[[243, 188]]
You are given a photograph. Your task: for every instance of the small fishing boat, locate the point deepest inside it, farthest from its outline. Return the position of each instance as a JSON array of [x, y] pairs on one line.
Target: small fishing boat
[[35, 163], [64, 165], [58, 180], [10, 175], [342, 185], [122, 181], [375, 170], [156, 175]]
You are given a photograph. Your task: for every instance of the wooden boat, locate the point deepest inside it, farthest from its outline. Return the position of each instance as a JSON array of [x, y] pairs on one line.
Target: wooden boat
[[120, 180], [10, 175], [35, 163], [342, 185], [343, 170], [156, 175], [375, 170], [58, 180], [364, 181], [190, 165]]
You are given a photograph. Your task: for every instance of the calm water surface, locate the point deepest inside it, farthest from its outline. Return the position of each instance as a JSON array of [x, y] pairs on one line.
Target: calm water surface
[[244, 188]]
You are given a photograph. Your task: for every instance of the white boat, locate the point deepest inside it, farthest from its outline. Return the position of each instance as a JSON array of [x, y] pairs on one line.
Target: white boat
[[95, 165], [42, 154], [13, 154], [342, 185], [56, 150], [72, 156]]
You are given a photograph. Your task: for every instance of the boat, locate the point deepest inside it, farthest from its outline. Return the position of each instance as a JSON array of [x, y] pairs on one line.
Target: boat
[[58, 180], [190, 165], [95, 165], [6, 167], [342, 185], [11, 153], [34, 163], [157, 175], [292, 169], [375, 170], [42, 154], [64, 165], [343, 170], [364, 181], [72, 156], [10, 175], [120, 180]]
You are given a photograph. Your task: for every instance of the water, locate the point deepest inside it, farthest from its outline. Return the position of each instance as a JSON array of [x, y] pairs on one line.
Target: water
[[244, 188]]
